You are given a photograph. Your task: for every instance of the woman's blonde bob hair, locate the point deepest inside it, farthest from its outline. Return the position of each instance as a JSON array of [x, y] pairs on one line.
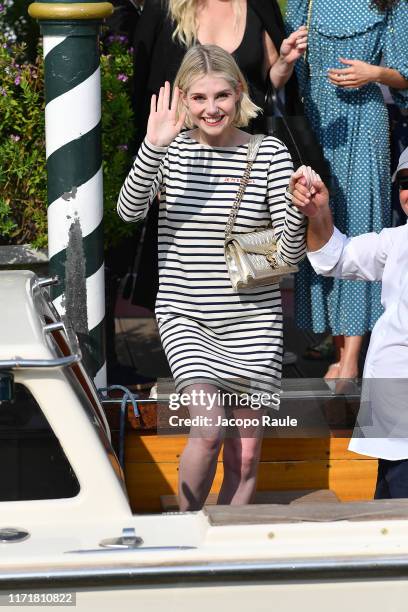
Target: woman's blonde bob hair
[[210, 59]]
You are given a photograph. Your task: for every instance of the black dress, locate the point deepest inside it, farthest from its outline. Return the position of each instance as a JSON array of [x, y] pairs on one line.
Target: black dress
[[157, 57], [249, 56]]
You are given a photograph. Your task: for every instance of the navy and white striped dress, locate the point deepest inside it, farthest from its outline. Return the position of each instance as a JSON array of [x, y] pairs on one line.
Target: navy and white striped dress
[[209, 332]]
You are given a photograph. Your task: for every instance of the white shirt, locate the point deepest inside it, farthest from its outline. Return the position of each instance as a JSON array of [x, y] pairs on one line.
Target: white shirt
[[383, 416]]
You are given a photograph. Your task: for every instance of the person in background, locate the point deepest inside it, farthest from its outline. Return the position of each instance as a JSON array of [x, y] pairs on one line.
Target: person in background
[[382, 427], [338, 80], [252, 30], [124, 18]]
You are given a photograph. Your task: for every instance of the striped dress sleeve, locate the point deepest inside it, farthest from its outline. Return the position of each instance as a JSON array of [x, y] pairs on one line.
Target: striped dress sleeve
[[144, 181], [288, 222]]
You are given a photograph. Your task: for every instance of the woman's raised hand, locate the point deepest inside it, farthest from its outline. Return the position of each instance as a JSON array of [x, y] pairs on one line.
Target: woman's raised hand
[[294, 46], [309, 193], [163, 125]]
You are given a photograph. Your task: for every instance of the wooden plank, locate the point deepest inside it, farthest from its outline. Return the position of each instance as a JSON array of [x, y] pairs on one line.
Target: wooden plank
[[170, 502], [385, 509], [349, 479], [159, 449]]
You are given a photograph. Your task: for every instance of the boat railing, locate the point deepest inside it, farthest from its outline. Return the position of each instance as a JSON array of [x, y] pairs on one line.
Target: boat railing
[[47, 282], [59, 362]]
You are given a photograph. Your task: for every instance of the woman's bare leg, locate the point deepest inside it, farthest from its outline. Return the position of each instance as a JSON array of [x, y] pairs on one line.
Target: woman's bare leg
[[197, 468], [349, 360], [334, 369], [198, 462], [349, 363], [241, 458]]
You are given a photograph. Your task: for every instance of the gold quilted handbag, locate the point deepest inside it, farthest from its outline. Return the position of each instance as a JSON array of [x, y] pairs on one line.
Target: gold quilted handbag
[[252, 259]]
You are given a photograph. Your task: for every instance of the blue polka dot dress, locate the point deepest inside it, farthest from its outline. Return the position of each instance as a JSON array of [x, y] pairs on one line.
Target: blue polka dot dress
[[352, 126]]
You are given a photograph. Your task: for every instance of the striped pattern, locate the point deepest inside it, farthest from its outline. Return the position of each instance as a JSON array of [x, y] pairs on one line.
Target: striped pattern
[[209, 332], [75, 190]]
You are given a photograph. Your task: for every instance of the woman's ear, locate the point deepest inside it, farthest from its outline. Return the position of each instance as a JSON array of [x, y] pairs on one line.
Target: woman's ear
[[183, 98], [183, 105], [239, 91]]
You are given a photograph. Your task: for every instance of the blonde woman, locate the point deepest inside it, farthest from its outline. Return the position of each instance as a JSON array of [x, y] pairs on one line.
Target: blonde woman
[[252, 30], [216, 341]]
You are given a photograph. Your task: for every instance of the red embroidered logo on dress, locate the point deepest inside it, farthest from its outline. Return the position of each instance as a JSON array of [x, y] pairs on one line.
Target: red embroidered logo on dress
[[233, 179]]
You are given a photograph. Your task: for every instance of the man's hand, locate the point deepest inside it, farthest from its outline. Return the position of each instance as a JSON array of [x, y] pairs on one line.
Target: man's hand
[[309, 193]]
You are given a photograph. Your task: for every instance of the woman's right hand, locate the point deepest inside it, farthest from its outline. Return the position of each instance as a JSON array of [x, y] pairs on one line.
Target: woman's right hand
[[163, 125], [293, 47]]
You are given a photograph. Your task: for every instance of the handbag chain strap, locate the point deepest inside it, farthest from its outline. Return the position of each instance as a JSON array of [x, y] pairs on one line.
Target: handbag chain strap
[[308, 21], [309, 14], [253, 147]]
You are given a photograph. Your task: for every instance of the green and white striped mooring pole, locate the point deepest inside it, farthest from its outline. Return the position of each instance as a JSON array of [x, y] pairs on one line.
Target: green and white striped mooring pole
[[74, 168]]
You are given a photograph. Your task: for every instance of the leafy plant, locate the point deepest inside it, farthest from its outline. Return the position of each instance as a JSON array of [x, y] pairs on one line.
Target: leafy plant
[[16, 23], [117, 130], [23, 180], [22, 148]]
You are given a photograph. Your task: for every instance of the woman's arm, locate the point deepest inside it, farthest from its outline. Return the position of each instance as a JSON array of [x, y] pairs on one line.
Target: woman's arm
[[288, 222], [146, 176], [142, 183], [394, 73], [280, 65], [391, 78]]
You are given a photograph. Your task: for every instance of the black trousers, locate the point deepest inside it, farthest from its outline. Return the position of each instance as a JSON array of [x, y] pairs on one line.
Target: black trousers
[[392, 479]]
